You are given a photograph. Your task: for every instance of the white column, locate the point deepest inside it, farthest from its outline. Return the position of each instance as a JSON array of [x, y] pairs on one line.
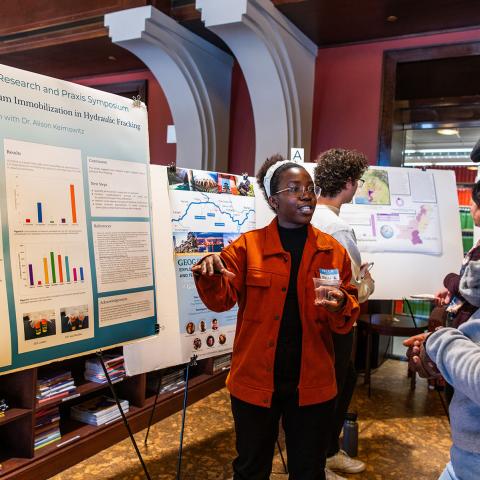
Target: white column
[[194, 75], [278, 62]]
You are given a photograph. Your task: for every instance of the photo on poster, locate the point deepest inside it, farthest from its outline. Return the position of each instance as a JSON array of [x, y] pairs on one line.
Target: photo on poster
[[206, 182], [179, 178], [227, 184], [245, 186], [39, 324], [375, 189], [74, 318], [198, 242]]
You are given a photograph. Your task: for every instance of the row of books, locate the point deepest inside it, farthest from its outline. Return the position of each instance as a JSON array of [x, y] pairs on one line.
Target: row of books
[[47, 427], [222, 363], [98, 411], [54, 384], [115, 367], [170, 381]]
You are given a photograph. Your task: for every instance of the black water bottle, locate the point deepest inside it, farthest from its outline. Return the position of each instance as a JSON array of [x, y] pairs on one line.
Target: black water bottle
[[350, 434]]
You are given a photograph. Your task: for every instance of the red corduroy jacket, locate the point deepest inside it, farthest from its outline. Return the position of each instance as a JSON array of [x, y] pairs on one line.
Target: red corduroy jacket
[[262, 269]]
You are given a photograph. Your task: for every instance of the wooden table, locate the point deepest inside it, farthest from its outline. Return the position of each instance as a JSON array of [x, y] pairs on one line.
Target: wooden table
[[400, 325]]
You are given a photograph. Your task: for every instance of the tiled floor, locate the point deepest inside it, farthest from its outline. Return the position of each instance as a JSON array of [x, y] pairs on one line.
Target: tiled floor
[[403, 435]]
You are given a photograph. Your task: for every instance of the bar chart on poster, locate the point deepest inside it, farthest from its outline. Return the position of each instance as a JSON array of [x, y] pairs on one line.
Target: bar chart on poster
[[75, 198]]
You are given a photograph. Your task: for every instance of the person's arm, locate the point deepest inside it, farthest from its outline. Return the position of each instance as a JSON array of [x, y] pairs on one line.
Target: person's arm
[[365, 286], [219, 288], [457, 357], [470, 283]]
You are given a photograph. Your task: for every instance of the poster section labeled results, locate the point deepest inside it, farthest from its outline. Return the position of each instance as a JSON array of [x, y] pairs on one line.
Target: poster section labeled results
[[75, 220], [396, 210], [209, 210]]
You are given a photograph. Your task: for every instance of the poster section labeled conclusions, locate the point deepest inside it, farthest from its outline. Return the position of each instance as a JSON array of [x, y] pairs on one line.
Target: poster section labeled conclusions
[[209, 210], [396, 210], [76, 244]]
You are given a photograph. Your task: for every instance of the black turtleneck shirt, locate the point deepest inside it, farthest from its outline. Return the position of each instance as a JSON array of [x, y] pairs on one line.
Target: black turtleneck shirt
[[288, 355]]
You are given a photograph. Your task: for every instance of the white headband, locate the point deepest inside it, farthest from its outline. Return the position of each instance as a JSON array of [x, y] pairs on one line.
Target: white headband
[[268, 176]]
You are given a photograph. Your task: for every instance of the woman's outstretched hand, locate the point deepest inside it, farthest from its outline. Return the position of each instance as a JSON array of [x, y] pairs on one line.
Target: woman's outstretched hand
[[211, 265]]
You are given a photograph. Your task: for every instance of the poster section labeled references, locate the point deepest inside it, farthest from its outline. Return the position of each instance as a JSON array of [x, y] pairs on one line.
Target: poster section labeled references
[[73, 161], [395, 210], [209, 210]]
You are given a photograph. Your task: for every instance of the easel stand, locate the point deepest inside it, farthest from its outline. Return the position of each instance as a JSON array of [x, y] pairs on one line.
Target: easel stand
[[159, 387], [192, 363], [125, 421]]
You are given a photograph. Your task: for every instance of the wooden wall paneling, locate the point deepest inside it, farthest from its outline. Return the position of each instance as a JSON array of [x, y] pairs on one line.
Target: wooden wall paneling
[[19, 388]]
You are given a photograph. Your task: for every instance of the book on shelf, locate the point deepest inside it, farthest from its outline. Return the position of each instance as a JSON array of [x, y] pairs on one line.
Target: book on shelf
[[54, 384], [99, 410], [115, 368], [47, 427], [170, 381]]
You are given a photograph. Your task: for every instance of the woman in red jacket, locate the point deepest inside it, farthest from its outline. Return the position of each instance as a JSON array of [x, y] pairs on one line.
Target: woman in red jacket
[[282, 363]]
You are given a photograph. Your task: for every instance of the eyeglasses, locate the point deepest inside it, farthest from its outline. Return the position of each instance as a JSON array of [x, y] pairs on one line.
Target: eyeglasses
[[361, 182], [300, 190]]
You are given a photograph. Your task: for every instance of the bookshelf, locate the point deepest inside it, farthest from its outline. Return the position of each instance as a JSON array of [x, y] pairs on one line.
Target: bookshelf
[[18, 458]]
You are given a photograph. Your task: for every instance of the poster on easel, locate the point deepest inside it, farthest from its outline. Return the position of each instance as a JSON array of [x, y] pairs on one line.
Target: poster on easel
[[209, 210], [76, 266], [396, 210], [194, 213], [421, 207]]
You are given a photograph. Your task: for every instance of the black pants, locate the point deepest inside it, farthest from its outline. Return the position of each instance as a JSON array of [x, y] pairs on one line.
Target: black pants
[[346, 377], [306, 435]]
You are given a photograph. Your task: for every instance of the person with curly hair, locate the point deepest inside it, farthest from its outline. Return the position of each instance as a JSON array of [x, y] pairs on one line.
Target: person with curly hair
[[282, 360], [338, 174]]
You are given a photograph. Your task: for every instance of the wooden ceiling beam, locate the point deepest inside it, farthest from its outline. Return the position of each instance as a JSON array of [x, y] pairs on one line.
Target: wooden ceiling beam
[[56, 37], [188, 12]]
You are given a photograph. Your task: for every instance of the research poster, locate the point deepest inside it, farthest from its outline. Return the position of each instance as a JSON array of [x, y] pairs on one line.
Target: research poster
[[209, 210], [395, 210], [76, 268]]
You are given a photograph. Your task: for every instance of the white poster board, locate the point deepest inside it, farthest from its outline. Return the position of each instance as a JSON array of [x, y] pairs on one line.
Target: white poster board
[[75, 245], [401, 274]]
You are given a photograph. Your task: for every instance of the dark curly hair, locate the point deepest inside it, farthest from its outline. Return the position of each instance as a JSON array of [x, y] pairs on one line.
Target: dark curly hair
[[276, 176], [336, 167], [476, 193]]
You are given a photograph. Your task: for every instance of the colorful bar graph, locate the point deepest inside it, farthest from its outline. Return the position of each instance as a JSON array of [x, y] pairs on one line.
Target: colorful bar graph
[[39, 212], [67, 268], [73, 205], [45, 270], [30, 274], [74, 274], [52, 262], [81, 274], [60, 269]]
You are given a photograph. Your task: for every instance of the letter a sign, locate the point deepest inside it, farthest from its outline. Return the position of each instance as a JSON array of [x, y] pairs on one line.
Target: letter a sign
[[297, 155]]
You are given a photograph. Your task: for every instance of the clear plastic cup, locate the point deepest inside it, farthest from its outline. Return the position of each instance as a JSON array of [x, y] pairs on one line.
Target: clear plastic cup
[[323, 287]]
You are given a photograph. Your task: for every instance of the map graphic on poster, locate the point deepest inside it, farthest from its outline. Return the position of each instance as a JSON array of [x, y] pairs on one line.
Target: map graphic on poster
[[396, 211], [209, 210], [375, 189], [76, 266]]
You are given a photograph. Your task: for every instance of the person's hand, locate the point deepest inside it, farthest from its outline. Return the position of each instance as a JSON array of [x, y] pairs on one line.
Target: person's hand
[[418, 359], [211, 265], [442, 297], [367, 277], [334, 299]]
